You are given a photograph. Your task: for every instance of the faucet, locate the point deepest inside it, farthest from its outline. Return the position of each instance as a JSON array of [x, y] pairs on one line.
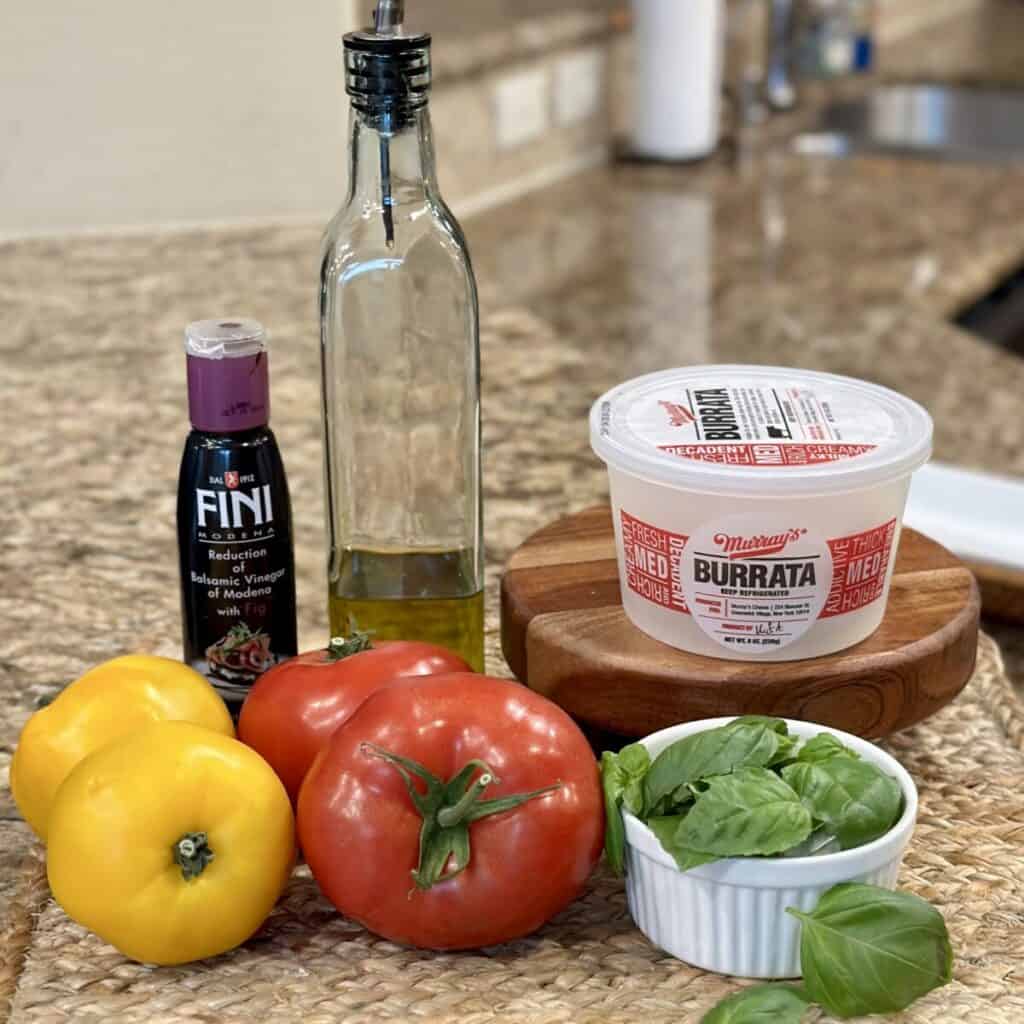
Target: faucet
[[779, 91]]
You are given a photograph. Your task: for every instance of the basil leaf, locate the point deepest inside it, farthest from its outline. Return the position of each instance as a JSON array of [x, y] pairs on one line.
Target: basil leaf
[[749, 813], [855, 799], [784, 754], [822, 747], [633, 797], [634, 760], [775, 724], [712, 752], [868, 950], [817, 844], [666, 828], [614, 829], [621, 778], [762, 1004]]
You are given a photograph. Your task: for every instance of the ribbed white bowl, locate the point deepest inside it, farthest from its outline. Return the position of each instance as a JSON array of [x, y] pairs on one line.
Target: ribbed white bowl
[[729, 916]]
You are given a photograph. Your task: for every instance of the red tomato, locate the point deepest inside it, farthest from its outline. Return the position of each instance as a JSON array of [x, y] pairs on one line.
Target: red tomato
[[292, 710], [474, 746]]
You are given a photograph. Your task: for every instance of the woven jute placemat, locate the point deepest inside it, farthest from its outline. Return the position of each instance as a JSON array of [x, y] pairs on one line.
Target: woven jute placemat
[[589, 965]]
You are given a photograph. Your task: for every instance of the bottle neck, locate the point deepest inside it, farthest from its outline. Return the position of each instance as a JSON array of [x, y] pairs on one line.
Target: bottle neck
[[233, 436], [228, 395], [392, 155]]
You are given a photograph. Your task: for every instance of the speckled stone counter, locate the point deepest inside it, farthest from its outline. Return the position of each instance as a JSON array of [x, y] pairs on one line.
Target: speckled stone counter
[[848, 266]]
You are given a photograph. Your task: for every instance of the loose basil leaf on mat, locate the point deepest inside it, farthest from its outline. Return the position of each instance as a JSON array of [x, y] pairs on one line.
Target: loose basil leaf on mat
[[822, 747], [762, 1004], [855, 799], [621, 777], [666, 828], [703, 754], [868, 950], [751, 812]]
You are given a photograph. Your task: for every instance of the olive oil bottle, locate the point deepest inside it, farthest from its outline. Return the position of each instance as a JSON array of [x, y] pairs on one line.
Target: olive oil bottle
[[400, 368]]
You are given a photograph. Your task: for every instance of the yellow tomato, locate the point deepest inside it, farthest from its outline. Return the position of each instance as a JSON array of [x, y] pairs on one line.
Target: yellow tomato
[[172, 844], [115, 698]]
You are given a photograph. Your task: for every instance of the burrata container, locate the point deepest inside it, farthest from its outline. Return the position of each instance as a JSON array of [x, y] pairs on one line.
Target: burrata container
[[757, 509]]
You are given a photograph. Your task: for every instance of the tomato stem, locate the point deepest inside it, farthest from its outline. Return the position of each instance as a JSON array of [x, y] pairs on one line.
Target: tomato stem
[[192, 853], [342, 646], [456, 814], [448, 809]]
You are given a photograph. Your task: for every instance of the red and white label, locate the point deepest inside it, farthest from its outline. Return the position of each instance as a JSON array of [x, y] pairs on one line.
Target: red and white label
[[652, 561], [752, 584], [767, 454], [859, 566], [772, 424]]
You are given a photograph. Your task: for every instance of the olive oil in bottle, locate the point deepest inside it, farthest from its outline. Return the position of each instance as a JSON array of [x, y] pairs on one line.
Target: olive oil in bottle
[[400, 368], [411, 594]]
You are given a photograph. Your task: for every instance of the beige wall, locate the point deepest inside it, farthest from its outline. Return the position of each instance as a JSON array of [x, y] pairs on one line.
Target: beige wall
[[133, 112]]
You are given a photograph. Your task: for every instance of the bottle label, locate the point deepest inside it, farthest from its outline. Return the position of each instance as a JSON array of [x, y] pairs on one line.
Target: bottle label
[[753, 583], [238, 572]]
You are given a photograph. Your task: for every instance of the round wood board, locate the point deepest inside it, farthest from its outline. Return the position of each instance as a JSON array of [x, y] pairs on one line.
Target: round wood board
[[564, 633]]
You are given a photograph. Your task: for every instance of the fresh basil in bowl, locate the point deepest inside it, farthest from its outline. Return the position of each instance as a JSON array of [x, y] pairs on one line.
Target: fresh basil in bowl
[[721, 825], [747, 789]]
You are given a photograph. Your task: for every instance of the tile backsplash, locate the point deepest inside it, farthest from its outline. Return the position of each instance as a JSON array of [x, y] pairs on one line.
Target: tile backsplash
[[521, 93], [468, 17], [898, 18], [527, 91]]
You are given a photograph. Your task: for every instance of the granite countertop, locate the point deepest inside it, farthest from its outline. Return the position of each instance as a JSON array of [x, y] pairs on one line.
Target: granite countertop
[[978, 47], [851, 266]]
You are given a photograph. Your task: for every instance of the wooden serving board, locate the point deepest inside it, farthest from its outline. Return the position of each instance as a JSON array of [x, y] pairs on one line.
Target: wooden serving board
[[1002, 591], [564, 633]]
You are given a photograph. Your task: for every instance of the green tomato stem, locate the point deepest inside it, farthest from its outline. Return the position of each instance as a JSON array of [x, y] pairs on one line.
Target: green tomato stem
[[459, 811], [342, 646], [448, 809], [192, 853]]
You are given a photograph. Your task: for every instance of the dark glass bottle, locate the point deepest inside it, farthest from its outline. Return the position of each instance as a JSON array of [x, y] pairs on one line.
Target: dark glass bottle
[[234, 514]]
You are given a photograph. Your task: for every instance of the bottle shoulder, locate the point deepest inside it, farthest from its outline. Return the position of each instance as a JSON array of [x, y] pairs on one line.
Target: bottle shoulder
[[252, 440], [358, 227], [427, 238]]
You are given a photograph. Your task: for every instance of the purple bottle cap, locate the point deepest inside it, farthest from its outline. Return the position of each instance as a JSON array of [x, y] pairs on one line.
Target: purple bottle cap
[[228, 386]]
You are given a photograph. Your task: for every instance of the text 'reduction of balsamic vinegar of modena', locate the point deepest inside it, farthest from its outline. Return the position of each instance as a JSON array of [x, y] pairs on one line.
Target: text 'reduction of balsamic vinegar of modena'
[[234, 514]]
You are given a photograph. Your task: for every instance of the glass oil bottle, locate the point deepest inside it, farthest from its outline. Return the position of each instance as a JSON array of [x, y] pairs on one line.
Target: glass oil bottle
[[400, 368]]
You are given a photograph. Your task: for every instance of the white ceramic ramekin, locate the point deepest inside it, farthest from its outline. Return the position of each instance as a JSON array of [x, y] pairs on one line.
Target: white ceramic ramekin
[[757, 509], [729, 916]]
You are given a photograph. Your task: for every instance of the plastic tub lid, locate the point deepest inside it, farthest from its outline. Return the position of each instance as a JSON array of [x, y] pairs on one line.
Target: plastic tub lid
[[759, 430]]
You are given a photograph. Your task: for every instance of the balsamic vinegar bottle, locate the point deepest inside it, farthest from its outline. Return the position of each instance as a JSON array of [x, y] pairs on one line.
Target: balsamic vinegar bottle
[[234, 514], [400, 368]]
